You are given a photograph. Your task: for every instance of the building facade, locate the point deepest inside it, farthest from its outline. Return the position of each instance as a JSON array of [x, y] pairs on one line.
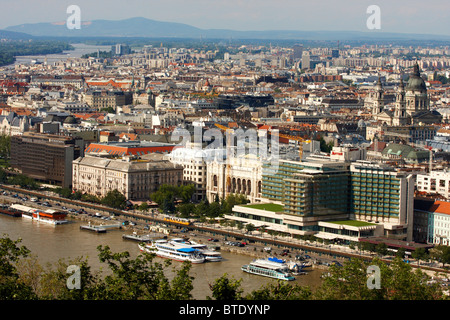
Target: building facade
[[237, 175], [135, 178], [46, 157], [434, 182], [382, 195]]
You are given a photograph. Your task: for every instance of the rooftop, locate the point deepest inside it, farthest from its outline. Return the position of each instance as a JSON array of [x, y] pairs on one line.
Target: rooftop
[[266, 206], [354, 223]]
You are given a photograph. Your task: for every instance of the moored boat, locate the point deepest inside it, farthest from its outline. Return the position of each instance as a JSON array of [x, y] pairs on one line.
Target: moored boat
[[48, 216], [210, 255], [172, 250], [6, 210], [268, 268]]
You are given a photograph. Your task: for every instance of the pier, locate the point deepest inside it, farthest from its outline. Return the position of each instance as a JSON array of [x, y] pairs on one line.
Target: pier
[[100, 228]]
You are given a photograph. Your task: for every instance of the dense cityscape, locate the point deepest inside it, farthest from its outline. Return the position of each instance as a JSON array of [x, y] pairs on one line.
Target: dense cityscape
[[339, 142]]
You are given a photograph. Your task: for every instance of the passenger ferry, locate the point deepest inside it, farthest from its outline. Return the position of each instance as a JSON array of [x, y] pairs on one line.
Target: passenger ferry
[[268, 268], [210, 255], [174, 251], [6, 210], [48, 216]]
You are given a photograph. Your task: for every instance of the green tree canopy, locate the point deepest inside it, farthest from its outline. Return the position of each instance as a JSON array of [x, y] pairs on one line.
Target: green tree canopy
[[114, 199]]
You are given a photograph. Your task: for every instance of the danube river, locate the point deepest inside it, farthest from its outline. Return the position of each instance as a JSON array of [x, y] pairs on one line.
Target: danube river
[[79, 50], [51, 243]]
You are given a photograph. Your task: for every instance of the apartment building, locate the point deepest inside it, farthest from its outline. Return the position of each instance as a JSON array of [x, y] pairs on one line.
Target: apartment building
[[46, 157], [136, 178], [194, 162], [103, 99], [434, 182]]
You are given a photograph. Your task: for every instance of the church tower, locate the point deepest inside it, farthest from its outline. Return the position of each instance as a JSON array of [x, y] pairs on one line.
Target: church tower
[[400, 115], [378, 99]]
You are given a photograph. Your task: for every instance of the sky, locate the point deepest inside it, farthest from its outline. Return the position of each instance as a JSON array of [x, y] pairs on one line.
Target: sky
[[403, 16]]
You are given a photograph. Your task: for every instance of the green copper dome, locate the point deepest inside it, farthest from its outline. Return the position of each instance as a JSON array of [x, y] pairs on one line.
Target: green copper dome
[[415, 82]]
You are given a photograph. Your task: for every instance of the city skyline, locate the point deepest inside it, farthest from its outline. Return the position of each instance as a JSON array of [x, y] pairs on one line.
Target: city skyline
[[250, 15]]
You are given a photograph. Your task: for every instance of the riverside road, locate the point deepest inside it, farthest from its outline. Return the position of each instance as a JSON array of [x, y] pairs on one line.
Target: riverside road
[[326, 253]]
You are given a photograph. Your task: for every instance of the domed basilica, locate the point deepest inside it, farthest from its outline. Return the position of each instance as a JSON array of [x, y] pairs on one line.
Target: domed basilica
[[412, 104]]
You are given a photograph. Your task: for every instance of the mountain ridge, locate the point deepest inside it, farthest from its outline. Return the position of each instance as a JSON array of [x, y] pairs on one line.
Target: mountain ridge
[[144, 27]]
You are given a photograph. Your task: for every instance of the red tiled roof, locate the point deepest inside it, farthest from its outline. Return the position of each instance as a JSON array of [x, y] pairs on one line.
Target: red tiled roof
[[441, 207]]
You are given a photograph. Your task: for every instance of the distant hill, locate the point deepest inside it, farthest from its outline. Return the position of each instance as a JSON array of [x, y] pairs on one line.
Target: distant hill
[[12, 35], [143, 27]]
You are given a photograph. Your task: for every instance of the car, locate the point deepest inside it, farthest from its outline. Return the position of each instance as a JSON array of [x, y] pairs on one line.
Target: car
[[267, 249]]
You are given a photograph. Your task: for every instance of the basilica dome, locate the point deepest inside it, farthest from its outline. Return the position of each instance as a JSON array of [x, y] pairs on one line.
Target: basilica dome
[[415, 82]]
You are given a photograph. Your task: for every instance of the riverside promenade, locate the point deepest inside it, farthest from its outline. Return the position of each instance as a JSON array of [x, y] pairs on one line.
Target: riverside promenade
[[332, 251]]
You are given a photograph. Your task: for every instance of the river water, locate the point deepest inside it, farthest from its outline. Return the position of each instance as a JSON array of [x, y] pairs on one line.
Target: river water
[[80, 49], [51, 243]]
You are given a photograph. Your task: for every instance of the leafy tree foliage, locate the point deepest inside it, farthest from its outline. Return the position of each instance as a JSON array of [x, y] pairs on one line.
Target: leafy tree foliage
[[114, 199], [11, 286], [225, 288], [398, 282]]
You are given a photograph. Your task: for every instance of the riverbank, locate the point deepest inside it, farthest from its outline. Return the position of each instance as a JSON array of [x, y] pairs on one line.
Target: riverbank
[[321, 251]]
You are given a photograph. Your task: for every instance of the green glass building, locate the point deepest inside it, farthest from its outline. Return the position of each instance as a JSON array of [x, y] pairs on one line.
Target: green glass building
[[308, 188]]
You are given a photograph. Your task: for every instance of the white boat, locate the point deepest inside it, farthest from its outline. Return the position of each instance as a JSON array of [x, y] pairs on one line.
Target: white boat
[[269, 268], [174, 251], [210, 255], [48, 216]]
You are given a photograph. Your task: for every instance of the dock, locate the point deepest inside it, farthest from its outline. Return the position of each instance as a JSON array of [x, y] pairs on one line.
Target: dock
[[141, 238], [97, 229], [100, 228]]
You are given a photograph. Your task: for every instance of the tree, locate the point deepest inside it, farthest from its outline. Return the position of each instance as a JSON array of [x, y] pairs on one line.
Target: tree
[[186, 209], [12, 286], [168, 206], [114, 199], [419, 254], [225, 288], [5, 146], [185, 193], [143, 206], [215, 210], [381, 249], [250, 227], [142, 278], [280, 291], [441, 253], [397, 282]]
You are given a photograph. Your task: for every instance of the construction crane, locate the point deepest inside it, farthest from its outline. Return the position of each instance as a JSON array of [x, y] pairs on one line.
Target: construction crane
[[300, 141]]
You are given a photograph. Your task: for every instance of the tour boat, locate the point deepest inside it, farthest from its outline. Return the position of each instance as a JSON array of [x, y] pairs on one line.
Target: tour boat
[[48, 216], [172, 250], [210, 255], [268, 268], [4, 209]]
